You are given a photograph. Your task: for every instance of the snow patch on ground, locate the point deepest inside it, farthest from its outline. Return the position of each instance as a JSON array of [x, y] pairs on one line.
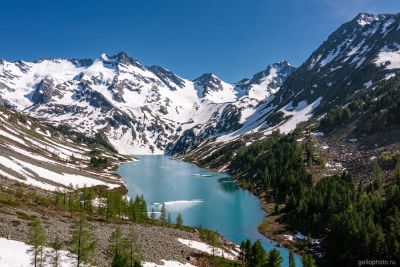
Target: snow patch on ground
[[167, 264], [389, 58], [14, 254], [300, 114], [207, 248]]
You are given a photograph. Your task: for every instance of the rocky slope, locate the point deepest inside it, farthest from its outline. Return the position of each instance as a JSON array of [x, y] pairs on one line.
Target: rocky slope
[[40, 156]]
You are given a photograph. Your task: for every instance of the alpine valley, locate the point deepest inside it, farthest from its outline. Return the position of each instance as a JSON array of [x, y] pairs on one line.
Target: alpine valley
[[287, 134]]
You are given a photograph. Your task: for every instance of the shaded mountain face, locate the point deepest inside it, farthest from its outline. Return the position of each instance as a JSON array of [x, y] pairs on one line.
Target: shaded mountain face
[[139, 109], [358, 54]]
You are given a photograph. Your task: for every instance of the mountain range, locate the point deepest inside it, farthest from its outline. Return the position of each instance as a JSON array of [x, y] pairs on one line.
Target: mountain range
[[142, 110]]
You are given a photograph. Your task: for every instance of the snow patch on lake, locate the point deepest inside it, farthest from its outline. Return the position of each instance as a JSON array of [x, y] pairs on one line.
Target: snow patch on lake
[[179, 205]]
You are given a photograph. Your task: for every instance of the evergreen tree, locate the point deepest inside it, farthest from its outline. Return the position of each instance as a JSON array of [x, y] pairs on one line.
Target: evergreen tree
[[248, 252], [258, 255], [397, 172], [169, 218], [143, 207], [82, 242], [163, 214], [179, 220], [274, 258], [292, 262], [119, 261], [308, 261], [276, 209], [55, 256], [116, 248], [132, 246], [37, 238]]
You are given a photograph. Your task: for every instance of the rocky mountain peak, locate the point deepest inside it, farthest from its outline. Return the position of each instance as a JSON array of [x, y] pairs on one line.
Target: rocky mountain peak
[[279, 71], [362, 51], [365, 18], [118, 59], [208, 82], [168, 77]]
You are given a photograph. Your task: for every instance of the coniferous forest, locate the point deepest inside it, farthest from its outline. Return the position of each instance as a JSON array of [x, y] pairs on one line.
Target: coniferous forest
[[354, 220]]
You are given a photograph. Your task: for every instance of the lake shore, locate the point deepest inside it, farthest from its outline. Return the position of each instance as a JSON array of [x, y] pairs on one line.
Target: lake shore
[[271, 226]]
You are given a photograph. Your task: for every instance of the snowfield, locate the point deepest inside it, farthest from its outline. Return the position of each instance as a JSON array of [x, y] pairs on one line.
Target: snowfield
[[31, 155], [167, 264], [140, 109], [203, 247], [14, 254]]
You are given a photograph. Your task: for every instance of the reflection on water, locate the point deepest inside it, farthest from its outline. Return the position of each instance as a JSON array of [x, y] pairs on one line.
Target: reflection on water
[[228, 184]]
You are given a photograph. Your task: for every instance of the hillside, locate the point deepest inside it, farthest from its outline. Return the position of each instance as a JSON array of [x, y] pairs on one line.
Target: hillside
[[41, 156]]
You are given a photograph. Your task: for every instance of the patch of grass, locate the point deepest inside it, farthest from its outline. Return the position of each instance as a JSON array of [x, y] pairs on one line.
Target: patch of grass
[[22, 215], [221, 262], [8, 200]]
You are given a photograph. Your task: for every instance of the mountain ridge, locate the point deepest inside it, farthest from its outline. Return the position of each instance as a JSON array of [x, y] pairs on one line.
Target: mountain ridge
[[152, 110], [148, 107]]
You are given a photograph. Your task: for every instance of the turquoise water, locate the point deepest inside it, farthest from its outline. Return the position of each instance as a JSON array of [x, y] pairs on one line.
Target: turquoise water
[[210, 199]]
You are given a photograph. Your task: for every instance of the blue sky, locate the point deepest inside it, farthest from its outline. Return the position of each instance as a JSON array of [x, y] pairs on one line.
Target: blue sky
[[232, 38]]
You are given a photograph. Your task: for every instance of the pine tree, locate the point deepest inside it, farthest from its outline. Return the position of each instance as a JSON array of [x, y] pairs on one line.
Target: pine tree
[[82, 242], [132, 246], [277, 209], [258, 255], [397, 172], [115, 248], [308, 261], [119, 261], [36, 239], [179, 220], [274, 258], [163, 214], [169, 218], [292, 262], [247, 254], [143, 207], [56, 246]]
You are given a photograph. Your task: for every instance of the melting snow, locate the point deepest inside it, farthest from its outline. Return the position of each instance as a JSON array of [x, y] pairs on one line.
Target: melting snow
[[14, 254], [208, 249], [167, 264]]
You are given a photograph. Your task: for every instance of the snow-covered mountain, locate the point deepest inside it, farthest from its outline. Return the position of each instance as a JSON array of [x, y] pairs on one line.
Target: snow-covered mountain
[[139, 109], [354, 57], [358, 54], [150, 109]]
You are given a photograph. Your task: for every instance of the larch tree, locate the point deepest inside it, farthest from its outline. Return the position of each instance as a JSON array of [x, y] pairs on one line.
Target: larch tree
[[133, 248], [274, 258], [115, 247], [36, 239], [292, 262], [82, 242], [163, 214], [179, 220], [308, 261], [55, 256]]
